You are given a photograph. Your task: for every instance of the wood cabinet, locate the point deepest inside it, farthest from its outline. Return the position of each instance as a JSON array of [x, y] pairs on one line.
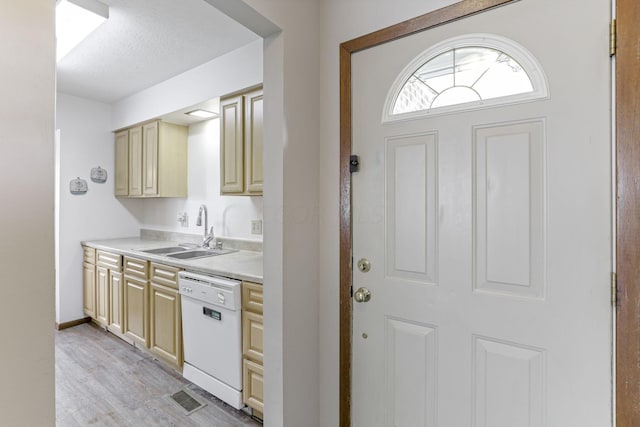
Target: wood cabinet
[[108, 286], [151, 160], [136, 303], [241, 143], [116, 302], [121, 170], [135, 162], [102, 295], [165, 336], [135, 299], [152, 314], [135, 321], [252, 347], [89, 281]]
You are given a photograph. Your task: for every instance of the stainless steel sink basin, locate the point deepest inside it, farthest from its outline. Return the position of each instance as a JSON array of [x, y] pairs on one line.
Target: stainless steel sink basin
[[167, 250], [199, 253]]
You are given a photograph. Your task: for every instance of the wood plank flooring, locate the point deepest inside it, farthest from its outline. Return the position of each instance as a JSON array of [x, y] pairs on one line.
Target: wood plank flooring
[[103, 381]]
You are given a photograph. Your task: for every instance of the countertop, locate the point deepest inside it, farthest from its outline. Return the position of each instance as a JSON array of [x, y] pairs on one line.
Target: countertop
[[241, 265]]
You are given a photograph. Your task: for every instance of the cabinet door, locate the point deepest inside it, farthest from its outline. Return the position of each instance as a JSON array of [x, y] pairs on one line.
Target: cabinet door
[[121, 172], [254, 136], [166, 323], [136, 310], [172, 160], [89, 289], [135, 161], [150, 159], [252, 333], [102, 295], [231, 145], [115, 301], [252, 385]]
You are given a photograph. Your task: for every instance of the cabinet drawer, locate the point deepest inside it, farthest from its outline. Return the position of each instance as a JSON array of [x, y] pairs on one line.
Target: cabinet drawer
[[252, 297], [89, 254], [252, 382], [165, 275], [252, 336], [108, 260], [136, 267]]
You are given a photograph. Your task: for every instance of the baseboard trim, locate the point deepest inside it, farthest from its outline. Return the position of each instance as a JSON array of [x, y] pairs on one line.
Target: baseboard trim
[[71, 324]]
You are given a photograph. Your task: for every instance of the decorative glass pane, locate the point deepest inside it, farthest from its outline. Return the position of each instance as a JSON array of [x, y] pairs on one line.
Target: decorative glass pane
[[461, 76], [472, 63], [506, 77], [415, 96], [438, 73], [455, 95]]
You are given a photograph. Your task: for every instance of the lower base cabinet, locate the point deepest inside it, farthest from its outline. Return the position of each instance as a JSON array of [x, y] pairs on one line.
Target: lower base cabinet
[[102, 295], [101, 283], [166, 323], [136, 309], [89, 287], [139, 301], [116, 302], [252, 386], [252, 347], [152, 314]]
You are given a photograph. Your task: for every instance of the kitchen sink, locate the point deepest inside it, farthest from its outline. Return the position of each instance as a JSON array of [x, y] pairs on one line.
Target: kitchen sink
[[199, 253], [167, 250]]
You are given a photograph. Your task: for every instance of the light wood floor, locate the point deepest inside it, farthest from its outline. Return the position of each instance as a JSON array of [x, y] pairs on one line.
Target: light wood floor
[[103, 381]]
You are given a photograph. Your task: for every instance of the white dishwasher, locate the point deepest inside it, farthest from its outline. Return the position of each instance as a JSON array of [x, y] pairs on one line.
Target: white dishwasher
[[212, 334]]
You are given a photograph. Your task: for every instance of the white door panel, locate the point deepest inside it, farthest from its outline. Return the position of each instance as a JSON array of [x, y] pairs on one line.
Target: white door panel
[[488, 234]]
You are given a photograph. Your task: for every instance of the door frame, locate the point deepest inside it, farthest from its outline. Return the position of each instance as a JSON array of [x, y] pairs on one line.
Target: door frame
[[627, 149]]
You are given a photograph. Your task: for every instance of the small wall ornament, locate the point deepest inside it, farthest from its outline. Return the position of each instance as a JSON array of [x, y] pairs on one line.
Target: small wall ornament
[[78, 186], [98, 175]]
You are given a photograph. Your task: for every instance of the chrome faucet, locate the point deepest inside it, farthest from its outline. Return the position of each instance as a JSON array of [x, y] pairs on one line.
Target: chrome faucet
[[208, 235]]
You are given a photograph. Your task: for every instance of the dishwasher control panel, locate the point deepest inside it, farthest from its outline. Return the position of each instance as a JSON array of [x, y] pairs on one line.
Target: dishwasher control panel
[[214, 290], [209, 312]]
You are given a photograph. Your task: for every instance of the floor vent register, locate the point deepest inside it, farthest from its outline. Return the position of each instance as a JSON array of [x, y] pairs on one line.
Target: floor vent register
[[187, 402]]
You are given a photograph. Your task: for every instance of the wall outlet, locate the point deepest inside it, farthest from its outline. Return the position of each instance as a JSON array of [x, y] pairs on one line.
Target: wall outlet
[[183, 219], [256, 226]]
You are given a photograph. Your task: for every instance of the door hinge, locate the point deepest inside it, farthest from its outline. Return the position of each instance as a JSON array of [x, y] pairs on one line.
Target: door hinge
[[354, 164], [612, 38], [614, 289]]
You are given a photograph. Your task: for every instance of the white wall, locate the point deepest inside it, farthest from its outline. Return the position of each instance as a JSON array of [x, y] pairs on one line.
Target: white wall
[[27, 88], [303, 124], [235, 70], [230, 215], [291, 211], [86, 141]]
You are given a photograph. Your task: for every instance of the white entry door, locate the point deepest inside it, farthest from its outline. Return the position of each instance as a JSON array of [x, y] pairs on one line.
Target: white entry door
[[483, 230]]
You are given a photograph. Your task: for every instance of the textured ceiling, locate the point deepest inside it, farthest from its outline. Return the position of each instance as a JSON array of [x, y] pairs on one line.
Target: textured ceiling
[[145, 42]]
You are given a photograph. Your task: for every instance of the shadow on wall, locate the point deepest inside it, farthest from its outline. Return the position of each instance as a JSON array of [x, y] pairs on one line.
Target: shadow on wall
[[134, 206]]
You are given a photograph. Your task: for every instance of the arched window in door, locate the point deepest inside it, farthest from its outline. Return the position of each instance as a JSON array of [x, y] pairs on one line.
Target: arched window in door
[[463, 73]]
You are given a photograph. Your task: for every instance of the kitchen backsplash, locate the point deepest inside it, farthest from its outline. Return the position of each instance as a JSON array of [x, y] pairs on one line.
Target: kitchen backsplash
[[227, 242]]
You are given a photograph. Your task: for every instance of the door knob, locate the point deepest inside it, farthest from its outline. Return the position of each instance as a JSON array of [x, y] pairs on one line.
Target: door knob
[[362, 295]]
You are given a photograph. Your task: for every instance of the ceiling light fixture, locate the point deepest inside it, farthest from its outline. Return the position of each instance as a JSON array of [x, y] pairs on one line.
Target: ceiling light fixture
[[203, 114], [75, 20]]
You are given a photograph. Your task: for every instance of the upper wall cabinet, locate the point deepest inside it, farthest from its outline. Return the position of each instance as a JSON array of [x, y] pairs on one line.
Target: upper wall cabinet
[[151, 161], [241, 142]]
